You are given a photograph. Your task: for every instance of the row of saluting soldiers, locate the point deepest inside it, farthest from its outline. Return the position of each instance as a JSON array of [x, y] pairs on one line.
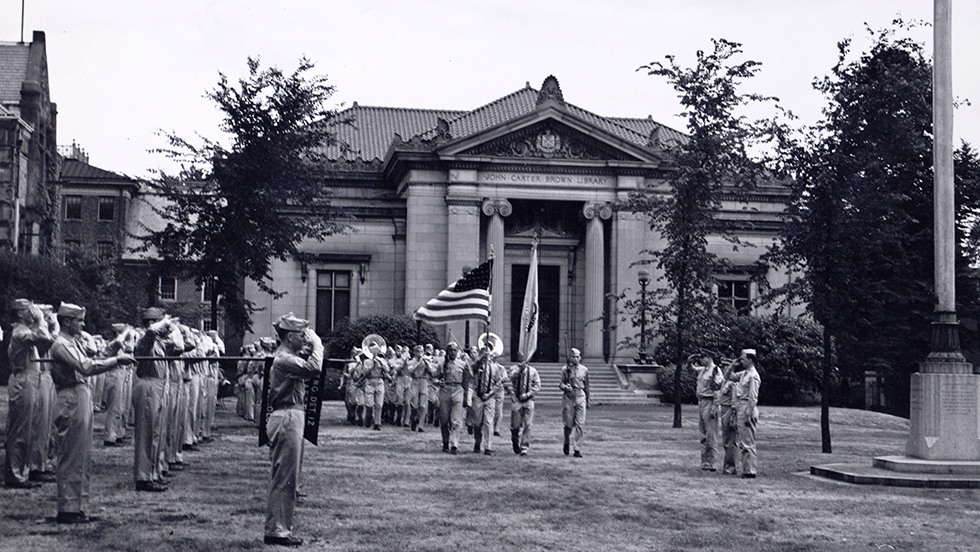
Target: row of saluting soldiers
[[61, 375]]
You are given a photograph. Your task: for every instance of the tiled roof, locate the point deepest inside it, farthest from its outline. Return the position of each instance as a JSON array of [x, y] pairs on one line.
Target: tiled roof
[[375, 127], [74, 169], [13, 70]]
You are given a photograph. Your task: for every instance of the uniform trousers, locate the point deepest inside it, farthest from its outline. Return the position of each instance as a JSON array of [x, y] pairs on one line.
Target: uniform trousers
[[747, 420], [249, 407], [170, 442], [498, 413], [708, 426], [97, 384], [42, 422], [403, 390], [482, 417], [285, 429], [192, 419], [374, 396], [728, 433], [451, 413], [573, 416], [419, 393], [210, 403], [115, 393], [149, 401], [201, 406], [521, 421], [73, 425], [21, 396]]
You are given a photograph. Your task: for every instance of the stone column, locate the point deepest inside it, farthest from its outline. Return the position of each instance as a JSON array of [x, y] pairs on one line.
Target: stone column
[[595, 262], [464, 251], [497, 209]]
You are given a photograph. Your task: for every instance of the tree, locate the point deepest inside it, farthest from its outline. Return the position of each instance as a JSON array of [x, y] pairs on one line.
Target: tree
[[715, 158], [231, 210], [860, 222]]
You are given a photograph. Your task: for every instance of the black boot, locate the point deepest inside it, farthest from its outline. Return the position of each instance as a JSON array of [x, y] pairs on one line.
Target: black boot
[[359, 415], [515, 439], [564, 447], [415, 418], [368, 416]]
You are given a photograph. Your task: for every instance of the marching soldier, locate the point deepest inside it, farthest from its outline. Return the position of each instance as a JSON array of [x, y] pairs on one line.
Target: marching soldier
[[524, 384], [347, 385], [488, 377], [575, 384], [287, 390], [375, 370], [73, 422], [452, 378], [29, 333], [403, 386], [709, 379], [422, 370]]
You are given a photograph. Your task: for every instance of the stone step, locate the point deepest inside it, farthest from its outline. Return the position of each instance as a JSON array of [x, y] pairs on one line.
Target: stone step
[[604, 386]]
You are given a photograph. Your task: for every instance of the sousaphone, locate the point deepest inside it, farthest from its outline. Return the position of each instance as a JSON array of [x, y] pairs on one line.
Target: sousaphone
[[496, 344], [373, 339]]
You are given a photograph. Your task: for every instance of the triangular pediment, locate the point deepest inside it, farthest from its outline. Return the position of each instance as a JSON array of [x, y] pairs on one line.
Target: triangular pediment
[[548, 133], [549, 139]]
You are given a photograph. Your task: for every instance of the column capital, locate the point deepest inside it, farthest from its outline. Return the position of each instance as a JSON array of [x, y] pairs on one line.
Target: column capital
[[592, 210], [500, 207]]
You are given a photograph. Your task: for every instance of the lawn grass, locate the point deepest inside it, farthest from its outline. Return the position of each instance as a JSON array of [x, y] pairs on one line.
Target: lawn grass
[[638, 488]]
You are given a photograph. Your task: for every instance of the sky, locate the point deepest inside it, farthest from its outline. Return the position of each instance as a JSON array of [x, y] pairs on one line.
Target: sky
[[121, 71]]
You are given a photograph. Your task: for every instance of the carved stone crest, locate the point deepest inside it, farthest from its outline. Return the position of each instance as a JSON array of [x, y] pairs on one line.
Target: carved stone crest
[[548, 143]]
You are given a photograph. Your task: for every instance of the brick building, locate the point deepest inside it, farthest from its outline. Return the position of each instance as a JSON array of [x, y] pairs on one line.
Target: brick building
[[28, 147]]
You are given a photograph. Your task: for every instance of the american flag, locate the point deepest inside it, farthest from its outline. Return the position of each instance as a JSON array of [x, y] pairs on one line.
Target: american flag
[[466, 299]]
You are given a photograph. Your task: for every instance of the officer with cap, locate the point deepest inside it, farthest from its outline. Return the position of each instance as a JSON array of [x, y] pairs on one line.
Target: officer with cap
[[452, 379], [28, 335], [298, 358], [73, 418], [525, 382]]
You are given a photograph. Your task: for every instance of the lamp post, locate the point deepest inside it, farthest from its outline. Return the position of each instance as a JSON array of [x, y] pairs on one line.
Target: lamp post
[[644, 278]]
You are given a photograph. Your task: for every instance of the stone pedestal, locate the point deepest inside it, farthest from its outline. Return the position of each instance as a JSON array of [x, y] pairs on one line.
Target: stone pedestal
[[944, 420]]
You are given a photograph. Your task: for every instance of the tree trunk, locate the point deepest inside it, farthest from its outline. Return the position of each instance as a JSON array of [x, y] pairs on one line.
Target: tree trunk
[[825, 394], [680, 360]]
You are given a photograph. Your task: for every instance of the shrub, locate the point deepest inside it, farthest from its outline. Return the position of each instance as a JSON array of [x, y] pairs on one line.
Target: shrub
[[789, 353], [665, 382], [395, 329]]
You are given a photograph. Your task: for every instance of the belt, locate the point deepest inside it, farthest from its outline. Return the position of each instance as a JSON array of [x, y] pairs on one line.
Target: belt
[[70, 386]]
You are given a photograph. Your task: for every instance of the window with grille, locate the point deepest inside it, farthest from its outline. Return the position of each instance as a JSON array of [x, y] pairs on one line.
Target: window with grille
[[735, 295], [167, 288], [106, 249], [73, 207], [107, 208], [333, 296]]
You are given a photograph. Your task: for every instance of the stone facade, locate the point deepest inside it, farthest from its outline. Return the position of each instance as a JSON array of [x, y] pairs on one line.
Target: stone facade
[[427, 193]]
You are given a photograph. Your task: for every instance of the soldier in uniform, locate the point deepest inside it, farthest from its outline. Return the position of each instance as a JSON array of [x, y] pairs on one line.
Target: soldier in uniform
[[42, 420], [575, 401], [452, 379], [726, 398], [375, 370], [524, 385], [160, 339], [403, 384], [73, 421], [421, 369], [291, 367], [709, 379], [115, 389], [746, 407], [347, 385], [488, 377], [28, 335]]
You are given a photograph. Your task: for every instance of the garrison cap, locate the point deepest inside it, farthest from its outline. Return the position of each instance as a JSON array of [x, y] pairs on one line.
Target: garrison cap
[[71, 311]]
